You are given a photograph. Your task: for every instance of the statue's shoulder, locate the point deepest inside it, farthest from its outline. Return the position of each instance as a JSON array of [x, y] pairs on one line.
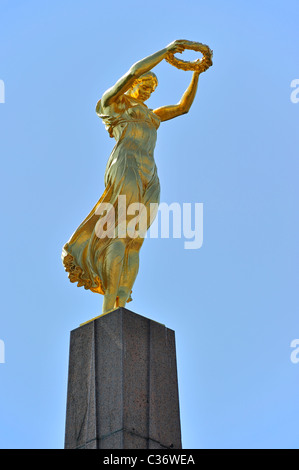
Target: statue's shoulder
[[116, 107]]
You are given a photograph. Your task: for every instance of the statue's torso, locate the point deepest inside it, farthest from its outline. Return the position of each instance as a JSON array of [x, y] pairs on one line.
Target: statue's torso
[[134, 127]]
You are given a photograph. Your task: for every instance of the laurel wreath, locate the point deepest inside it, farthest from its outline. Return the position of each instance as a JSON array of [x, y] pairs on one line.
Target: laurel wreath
[[200, 65]]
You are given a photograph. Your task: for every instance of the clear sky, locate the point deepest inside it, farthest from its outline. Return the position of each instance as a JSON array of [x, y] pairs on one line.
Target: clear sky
[[233, 303]]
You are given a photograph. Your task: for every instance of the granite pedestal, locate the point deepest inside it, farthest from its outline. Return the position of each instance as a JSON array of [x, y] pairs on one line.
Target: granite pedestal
[[122, 385]]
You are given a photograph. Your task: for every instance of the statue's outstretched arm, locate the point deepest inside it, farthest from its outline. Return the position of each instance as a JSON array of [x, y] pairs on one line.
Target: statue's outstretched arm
[[137, 69], [169, 112]]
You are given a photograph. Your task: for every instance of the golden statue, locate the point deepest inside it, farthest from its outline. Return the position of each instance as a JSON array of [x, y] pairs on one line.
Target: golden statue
[[104, 263]]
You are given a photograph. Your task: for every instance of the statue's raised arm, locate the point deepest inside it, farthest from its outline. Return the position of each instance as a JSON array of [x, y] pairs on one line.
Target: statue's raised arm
[[139, 68], [198, 66]]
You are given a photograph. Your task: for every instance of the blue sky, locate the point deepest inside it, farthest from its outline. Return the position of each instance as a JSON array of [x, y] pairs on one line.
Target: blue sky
[[233, 303]]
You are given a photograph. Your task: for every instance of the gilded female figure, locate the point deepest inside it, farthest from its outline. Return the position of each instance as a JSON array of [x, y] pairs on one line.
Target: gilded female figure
[[109, 265]]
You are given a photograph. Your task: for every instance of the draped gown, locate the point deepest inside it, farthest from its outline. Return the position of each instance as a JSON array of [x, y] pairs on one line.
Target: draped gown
[[130, 171]]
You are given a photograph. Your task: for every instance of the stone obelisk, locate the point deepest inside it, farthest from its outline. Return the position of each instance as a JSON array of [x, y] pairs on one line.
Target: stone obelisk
[[122, 385]]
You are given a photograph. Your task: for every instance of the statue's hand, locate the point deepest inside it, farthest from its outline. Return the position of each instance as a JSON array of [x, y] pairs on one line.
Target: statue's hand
[[203, 64], [176, 46]]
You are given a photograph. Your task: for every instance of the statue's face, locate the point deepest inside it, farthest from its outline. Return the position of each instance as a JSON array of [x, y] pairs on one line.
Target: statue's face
[[143, 90]]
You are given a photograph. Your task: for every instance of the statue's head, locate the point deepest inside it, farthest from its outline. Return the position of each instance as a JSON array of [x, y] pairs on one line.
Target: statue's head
[[144, 86]]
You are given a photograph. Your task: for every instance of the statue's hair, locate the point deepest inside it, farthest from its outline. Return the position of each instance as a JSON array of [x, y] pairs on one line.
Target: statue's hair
[[146, 76]]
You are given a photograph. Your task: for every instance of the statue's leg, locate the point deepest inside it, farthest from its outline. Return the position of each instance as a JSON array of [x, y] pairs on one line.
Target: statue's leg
[[112, 269], [130, 271]]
